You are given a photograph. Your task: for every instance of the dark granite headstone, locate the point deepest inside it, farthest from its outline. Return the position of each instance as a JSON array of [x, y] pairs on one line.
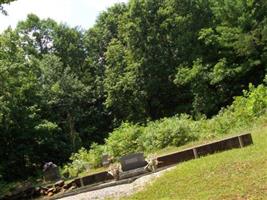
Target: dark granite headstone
[[132, 161], [51, 172]]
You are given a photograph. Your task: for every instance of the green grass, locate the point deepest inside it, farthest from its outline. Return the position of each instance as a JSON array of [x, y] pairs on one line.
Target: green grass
[[237, 174]]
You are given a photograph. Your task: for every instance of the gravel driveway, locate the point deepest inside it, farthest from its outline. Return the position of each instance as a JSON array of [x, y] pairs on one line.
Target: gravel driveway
[[115, 192]]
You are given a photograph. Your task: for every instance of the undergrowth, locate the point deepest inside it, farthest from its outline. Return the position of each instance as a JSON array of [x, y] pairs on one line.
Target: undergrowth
[[175, 131]]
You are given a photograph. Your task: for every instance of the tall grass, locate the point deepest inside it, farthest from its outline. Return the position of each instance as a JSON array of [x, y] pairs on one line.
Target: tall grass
[[175, 131]]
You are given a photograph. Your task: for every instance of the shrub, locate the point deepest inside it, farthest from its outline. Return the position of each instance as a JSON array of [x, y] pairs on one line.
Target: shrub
[[175, 131], [95, 154], [80, 162], [124, 140], [244, 110], [83, 160]]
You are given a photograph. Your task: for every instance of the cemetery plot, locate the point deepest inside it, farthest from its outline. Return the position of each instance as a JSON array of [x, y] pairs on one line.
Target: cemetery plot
[[132, 165]]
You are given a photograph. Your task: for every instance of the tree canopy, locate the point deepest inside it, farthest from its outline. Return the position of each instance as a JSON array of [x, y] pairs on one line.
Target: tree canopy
[[63, 88], [2, 2]]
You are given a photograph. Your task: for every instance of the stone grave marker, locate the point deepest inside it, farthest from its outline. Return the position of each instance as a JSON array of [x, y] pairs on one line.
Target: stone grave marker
[[132, 161], [51, 172], [105, 160]]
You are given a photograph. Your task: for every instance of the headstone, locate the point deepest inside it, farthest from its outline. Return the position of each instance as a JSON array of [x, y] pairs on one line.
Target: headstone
[[51, 172], [87, 166], [132, 161], [105, 160]]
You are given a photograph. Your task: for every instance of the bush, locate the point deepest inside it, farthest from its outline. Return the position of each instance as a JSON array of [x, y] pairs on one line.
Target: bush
[[80, 162], [124, 140], [83, 160], [95, 154], [244, 110], [175, 131]]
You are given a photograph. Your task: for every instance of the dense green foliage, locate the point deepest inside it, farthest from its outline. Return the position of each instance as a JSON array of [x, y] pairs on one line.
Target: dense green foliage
[[176, 131], [2, 2], [64, 88]]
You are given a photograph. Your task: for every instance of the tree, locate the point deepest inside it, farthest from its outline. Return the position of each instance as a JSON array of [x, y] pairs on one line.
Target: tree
[[44, 39], [4, 12], [27, 139], [63, 88], [234, 57], [158, 37], [97, 40], [37, 35], [120, 86]]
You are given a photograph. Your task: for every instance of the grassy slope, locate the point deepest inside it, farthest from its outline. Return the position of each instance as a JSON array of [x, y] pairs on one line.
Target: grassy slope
[[236, 174]]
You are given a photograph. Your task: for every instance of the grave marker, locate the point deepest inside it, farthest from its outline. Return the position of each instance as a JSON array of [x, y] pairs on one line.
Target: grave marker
[[51, 172], [105, 160], [132, 161]]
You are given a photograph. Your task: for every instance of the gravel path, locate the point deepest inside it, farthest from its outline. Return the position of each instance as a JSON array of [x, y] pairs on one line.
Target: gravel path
[[118, 191]]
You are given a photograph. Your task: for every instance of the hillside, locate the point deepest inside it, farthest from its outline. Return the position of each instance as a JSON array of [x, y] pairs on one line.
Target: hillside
[[236, 174], [147, 75]]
